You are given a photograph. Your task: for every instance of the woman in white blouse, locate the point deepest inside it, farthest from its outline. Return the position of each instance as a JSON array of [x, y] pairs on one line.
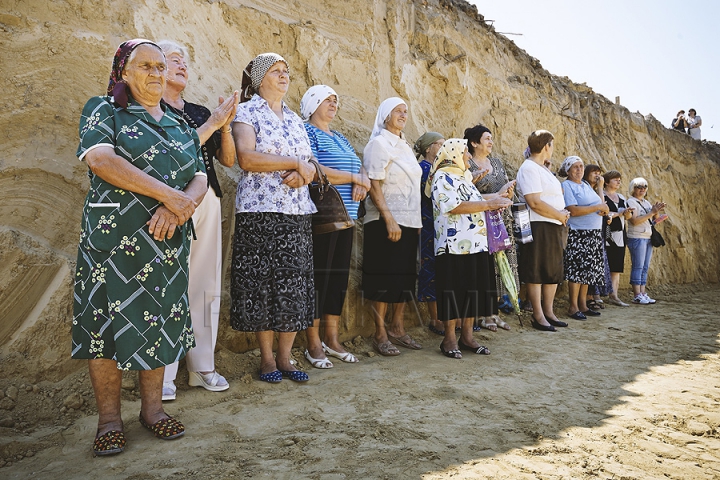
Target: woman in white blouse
[[272, 284], [541, 261], [392, 223]]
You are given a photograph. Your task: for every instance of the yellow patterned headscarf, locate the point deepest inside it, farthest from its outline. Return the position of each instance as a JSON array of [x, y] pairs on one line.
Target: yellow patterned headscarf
[[450, 158]]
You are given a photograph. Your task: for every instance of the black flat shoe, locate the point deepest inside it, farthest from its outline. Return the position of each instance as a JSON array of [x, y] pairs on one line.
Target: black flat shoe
[[556, 323], [578, 316], [591, 313], [456, 354], [481, 350], [542, 328]]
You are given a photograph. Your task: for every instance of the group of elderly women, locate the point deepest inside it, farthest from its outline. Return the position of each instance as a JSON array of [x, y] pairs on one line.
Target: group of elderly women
[[148, 276], [147, 284], [595, 253]]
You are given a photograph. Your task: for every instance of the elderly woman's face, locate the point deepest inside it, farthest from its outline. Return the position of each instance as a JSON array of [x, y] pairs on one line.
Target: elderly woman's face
[[327, 110], [576, 172], [276, 80], [146, 74], [177, 70], [397, 118], [433, 149]]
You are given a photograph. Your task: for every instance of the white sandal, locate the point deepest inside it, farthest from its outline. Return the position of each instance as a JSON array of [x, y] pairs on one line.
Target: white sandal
[[168, 391], [213, 381], [318, 362], [344, 356], [500, 323]]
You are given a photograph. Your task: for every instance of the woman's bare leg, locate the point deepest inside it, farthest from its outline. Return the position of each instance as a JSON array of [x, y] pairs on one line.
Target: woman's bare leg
[[106, 382]]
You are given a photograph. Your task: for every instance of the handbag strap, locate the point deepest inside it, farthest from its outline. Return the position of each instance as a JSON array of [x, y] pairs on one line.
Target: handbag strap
[[323, 181]]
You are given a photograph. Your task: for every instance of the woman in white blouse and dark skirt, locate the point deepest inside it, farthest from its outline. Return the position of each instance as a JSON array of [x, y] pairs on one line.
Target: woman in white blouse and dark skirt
[[541, 261], [392, 223]]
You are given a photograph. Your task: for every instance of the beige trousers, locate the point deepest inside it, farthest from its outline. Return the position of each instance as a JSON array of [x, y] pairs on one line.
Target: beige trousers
[[204, 286]]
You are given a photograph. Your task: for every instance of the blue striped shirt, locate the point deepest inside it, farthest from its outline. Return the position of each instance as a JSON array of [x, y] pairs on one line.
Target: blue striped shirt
[[335, 151]]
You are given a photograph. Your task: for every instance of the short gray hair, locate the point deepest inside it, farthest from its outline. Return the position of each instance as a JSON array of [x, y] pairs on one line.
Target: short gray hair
[[169, 47], [637, 181]]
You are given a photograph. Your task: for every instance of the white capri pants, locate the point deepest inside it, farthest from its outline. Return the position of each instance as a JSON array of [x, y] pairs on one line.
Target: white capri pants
[[204, 286]]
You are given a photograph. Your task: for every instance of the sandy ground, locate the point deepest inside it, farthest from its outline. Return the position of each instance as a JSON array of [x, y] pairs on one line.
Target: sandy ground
[[633, 395]]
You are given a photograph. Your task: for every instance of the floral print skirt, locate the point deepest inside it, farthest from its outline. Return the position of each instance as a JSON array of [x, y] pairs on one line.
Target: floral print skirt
[[130, 293], [272, 284], [584, 257]]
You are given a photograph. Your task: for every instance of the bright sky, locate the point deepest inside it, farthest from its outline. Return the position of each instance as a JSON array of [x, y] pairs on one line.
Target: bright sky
[[659, 56]]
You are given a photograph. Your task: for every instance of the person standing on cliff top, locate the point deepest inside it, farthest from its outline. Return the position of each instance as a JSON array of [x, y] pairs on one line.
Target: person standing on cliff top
[[694, 121], [679, 122]]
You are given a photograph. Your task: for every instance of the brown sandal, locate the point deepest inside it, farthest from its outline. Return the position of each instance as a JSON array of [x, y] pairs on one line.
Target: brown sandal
[[385, 349], [405, 341], [166, 429], [109, 443]]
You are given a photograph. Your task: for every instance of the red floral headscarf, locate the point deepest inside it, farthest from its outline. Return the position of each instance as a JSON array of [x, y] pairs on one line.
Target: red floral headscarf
[[117, 86]]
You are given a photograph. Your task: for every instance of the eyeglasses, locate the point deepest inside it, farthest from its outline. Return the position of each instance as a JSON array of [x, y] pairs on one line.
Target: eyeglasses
[[640, 186]]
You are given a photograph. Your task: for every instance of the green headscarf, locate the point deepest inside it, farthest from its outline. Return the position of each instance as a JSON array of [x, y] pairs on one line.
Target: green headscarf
[[424, 142]]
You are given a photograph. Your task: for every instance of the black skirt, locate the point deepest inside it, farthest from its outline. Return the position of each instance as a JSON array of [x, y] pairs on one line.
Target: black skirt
[[616, 258], [272, 284], [465, 286], [331, 257], [389, 268], [541, 261]]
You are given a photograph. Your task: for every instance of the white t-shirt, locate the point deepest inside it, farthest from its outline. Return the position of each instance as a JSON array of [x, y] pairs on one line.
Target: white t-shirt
[[534, 178], [643, 229], [389, 158]]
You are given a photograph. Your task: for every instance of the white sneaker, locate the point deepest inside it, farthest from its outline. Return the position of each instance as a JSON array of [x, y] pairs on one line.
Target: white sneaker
[[212, 381], [641, 300], [168, 391], [647, 297]]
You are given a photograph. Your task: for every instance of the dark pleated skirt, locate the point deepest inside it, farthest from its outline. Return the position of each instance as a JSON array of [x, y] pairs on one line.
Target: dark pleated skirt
[[465, 286], [389, 268], [331, 257]]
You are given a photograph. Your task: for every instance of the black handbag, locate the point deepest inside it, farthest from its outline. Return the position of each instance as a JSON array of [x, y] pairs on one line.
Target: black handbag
[[332, 215], [656, 240]]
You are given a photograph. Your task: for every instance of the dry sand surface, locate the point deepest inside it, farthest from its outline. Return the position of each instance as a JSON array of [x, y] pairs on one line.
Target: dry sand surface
[[634, 394]]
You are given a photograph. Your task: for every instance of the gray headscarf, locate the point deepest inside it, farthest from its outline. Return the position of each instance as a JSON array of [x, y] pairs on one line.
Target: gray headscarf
[[255, 71]]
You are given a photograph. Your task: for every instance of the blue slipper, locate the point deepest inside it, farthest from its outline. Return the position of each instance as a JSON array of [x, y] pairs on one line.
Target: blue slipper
[[506, 306], [436, 330], [295, 375], [272, 377]]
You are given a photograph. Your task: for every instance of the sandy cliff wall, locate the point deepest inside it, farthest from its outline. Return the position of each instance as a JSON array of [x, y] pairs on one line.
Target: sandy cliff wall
[[453, 70]]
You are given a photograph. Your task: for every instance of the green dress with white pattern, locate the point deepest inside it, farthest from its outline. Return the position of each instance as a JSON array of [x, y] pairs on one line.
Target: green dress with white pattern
[[130, 298]]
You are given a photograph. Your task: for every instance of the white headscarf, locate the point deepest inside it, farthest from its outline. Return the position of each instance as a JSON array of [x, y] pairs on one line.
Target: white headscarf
[[312, 99], [383, 112], [567, 163]]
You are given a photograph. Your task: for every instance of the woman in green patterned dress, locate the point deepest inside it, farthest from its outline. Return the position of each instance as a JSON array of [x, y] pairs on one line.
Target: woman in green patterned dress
[[146, 179]]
